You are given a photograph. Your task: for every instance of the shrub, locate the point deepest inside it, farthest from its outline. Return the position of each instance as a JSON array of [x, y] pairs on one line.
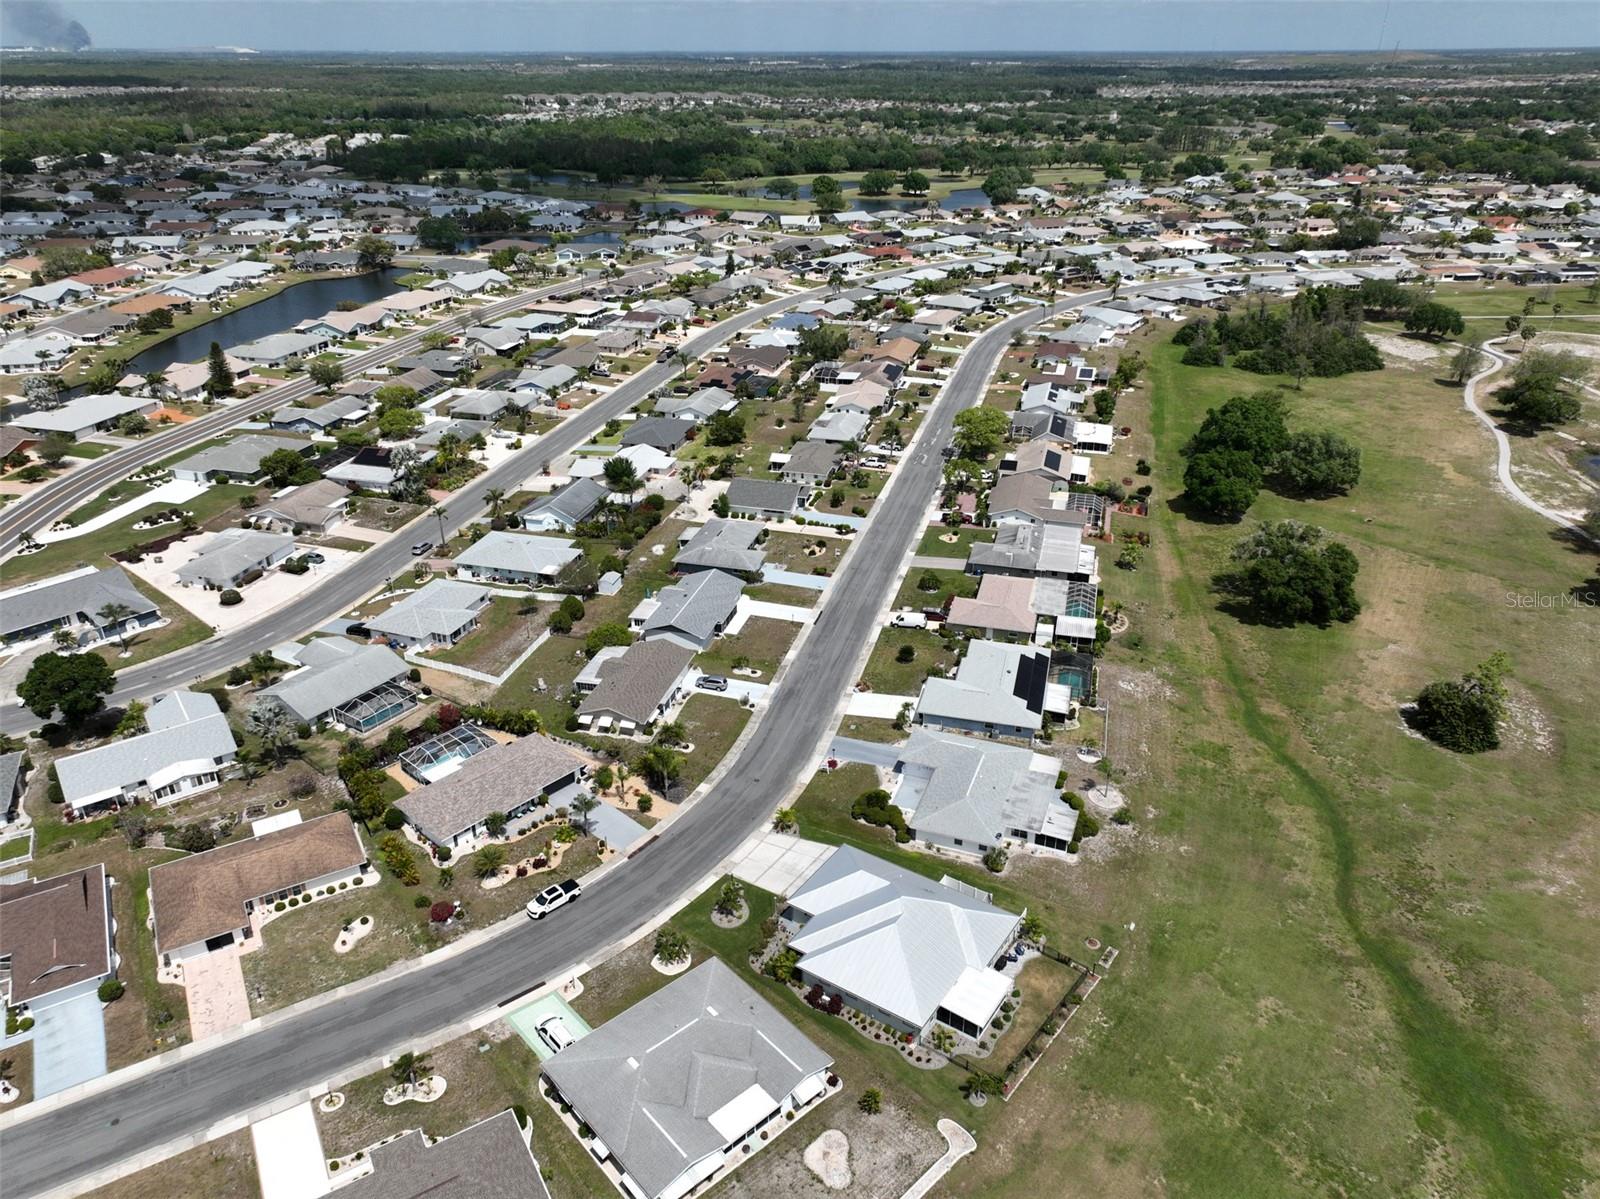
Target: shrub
[[238, 676], [444, 853], [871, 1101], [229, 598], [302, 786], [111, 990], [279, 906], [441, 911], [394, 819], [875, 807], [906, 653], [671, 946], [645, 803], [397, 857]]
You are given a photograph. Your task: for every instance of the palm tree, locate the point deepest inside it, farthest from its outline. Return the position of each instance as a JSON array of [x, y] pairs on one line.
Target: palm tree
[[155, 382], [1115, 282], [496, 497], [439, 515], [623, 771], [583, 805], [116, 614], [621, 476], [407, 1066], [784, 820]]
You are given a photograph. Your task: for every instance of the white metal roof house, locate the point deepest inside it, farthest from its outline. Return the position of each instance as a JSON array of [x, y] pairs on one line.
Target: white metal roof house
[[686, 1082], [438, 614], [88, 414], [900, 947], [501, 556], [188, 745]]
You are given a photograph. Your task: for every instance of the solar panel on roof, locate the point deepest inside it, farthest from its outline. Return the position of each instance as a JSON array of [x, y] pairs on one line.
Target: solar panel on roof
[[1032, 675]]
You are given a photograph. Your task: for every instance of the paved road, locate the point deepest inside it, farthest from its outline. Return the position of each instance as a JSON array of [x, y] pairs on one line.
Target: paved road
[[40, 508], [54, 1148]]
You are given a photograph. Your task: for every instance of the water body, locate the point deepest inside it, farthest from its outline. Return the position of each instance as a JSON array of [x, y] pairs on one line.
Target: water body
[[276, 314]]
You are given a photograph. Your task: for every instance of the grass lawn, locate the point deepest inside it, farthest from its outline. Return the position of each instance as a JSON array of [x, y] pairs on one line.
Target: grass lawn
[[95, 547], [871, 728], [804, 553], [761, 643], [713, 723], [952, 583], [886, 674], [225, 1166], [933, 542], [502, 633], [1395, 988], [782, 593]]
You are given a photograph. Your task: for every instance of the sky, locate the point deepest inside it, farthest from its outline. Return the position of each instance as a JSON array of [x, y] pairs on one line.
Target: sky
[[757, 26]]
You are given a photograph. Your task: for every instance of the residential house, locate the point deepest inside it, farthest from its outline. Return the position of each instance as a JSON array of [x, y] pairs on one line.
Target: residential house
[[663, 433], [276, 350], [566, 508], [1003, 607], [500, 556], [998, 690], [899, 947], [340, 411], [839, 427], [355, 687], [81, 417], [440, 613], [967, 795], [309, 508], [1056, 551], [692, 613], [234, 557], [57, 939], [721, 545], [637, 687], [89, 604], [678, 1088], [492, 1159], [209, 901], [766, 499], [237, 460], [699, 407], [810, 464], [511, 778], [188, 746]]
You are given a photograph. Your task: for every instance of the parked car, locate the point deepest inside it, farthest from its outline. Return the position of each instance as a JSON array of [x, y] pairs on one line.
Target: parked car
[[553, 1032], [908, 620], [422, 547], [711, 682], [552, 897], [312, 558]]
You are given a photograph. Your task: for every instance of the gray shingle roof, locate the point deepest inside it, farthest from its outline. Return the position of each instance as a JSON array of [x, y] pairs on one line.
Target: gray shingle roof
[[240, 456], [652, 1081], [697, 606], [496, 780], [990, 687], [571, 504], [337, 677], [487, 1160], [190, 729], [764, 495], [81, 596], [723, 545], [977, 791], [634, 684], [231, 553], [525, 553], [442, 608]]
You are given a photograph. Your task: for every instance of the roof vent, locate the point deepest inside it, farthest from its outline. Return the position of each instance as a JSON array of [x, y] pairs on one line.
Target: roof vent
[[633, 1063]]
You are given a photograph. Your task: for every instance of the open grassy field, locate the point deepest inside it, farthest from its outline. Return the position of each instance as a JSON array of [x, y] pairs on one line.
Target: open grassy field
[[1352, 963]]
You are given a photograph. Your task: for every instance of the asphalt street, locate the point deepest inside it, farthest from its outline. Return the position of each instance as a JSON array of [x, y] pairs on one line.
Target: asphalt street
[[57, 1146]]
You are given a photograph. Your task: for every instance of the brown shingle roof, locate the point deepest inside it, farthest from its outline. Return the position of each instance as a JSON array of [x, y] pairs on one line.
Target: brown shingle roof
[[633, 685], [203, 896], [55, 932]]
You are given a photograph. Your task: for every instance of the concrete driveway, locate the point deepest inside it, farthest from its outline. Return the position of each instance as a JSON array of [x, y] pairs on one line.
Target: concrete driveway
[[69, 1045], [779, 862], [289, 1158], [214, 983]]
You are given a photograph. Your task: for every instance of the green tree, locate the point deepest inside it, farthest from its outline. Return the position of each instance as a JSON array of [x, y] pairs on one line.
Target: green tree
[[73, 684], [621, 476], [326, 374], [826, 195], [271, 723], [724, 429], [1435, 320], [286, 466], [1286, 573], [1318, 463], [1543, 387], [487, 861], [398, 424], [1466, 362], [1222, 482], [661, 766], [783, 187], [582, 806], [374, 253], [610, 633], [219, 377], [876, 183], [822, 343], [914, 183], [979, 431], [443, 233], [1465, 716]]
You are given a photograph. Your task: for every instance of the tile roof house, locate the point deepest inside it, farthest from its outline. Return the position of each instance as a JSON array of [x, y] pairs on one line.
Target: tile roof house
[[998, 690], [692, 613], [208, 901], [721, 545], [676, 1084], [1002, 607], [187, 747], [74, 602], [440, 613], [900, 947], [56, 938], [500, 556], [637, 687], [355, 686], [509, 778], [491, 1159]]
